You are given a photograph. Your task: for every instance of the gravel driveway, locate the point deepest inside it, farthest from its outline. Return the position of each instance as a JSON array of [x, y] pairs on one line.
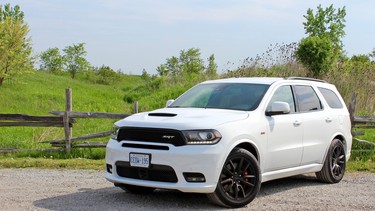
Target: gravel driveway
[[39, 189]]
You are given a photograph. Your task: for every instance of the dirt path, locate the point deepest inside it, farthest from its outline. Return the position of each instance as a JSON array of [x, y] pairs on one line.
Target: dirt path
[[30, 189]]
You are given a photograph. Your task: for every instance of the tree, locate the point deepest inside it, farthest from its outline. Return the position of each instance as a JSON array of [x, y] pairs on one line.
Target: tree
[[75, 59], [360, 58], [52, 61], [187, 63], [15, 45], [191, 62], [325, 30], [106, 75], [162, 70], [316, 54], [212, 67], [327, 23]]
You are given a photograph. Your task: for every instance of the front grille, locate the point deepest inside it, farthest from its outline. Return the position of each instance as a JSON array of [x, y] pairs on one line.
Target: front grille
[[154, 135], [159, 173]]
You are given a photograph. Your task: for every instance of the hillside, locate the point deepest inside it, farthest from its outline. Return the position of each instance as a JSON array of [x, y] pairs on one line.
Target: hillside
[[37, 93]]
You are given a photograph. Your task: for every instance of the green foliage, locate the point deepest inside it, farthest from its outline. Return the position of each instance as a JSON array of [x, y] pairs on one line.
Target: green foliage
[[211, 70], [316, 54], [42, 92], [175, 76], [15, 45], [360, 58], [325, 30], [189, 62], [105, 75], [327, 23], [52, 61], [75, 59]]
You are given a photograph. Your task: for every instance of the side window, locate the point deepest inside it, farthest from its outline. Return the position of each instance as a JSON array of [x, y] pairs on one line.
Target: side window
[[331, 98], [284, 94], [307, 99]]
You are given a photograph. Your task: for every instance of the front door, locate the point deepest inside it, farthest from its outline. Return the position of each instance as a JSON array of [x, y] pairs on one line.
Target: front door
[[285, 134]]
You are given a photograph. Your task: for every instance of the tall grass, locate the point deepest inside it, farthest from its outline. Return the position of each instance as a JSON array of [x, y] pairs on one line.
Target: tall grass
[[348, 76]]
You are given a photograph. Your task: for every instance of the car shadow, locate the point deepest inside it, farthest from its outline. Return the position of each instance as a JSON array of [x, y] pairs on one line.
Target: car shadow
[[113, 198]]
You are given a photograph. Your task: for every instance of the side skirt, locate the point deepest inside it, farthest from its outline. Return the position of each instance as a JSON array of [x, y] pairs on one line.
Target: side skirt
[[291, 172]]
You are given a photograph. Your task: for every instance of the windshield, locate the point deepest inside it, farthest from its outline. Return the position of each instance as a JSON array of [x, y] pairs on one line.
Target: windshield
[[237, 96]]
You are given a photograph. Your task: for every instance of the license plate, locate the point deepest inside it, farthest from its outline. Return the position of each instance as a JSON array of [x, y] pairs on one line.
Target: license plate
[[139, 160]]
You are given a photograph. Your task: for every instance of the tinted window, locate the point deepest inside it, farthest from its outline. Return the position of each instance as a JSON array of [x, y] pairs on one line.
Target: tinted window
[[307, 99], [331, 98], [284, 94], [237, 96]]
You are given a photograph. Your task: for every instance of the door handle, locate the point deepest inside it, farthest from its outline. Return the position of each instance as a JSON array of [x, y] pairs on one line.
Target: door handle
[[297, 123], [329, 119]]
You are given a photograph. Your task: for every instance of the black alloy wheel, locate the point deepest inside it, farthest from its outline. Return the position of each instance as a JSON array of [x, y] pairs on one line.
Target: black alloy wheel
[[239, 180]]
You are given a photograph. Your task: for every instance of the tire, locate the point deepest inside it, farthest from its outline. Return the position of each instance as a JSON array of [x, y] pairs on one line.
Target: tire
[[135, 189], [334, 165], [239, 180]]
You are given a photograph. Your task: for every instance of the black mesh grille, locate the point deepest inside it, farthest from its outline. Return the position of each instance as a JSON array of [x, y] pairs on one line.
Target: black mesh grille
[[155, 135], [158, 173]]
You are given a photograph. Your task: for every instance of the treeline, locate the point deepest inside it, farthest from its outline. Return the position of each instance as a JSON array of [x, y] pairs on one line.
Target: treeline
[[73, 61], [321, 55]]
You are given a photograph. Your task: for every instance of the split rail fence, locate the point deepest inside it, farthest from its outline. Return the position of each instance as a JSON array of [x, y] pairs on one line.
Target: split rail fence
[[66, 120]]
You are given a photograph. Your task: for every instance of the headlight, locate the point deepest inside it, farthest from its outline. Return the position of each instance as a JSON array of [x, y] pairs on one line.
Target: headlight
[[114, 133], [202, 136]]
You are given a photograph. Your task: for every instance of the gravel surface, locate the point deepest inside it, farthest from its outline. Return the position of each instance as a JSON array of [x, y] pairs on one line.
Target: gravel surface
[[39, 189]]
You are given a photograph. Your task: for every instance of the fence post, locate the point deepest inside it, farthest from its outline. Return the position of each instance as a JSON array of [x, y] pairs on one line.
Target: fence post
[[67, 128], [352, 106], [136, 107]]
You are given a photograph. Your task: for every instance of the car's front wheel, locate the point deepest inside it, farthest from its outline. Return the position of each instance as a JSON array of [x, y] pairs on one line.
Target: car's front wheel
[[239, 181], [334, 165]]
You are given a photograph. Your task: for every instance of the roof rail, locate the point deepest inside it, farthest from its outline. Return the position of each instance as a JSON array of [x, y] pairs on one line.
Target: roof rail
[[306, 78]]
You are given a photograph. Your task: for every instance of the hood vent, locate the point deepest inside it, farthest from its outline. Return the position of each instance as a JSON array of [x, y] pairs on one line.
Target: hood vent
[[162, 114]]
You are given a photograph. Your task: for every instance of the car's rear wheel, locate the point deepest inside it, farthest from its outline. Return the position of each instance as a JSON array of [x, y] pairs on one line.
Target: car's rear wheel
[[239, 181], [135, 189], [334, 165]]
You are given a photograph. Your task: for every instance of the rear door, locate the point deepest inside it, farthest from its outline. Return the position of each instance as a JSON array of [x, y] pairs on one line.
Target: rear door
[[317, 124]]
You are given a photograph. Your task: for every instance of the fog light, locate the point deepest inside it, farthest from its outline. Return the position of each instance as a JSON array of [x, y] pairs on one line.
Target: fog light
[[194, 177], [109, 168]]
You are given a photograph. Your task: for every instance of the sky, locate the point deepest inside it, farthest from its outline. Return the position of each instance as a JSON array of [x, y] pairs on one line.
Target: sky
[[133, 35]]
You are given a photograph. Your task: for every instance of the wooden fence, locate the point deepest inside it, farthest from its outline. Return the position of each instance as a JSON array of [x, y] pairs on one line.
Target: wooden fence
[[359, 122], [66, 119]]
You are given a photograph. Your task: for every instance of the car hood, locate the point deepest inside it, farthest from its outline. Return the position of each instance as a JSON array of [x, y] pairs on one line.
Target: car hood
[[183, 118]]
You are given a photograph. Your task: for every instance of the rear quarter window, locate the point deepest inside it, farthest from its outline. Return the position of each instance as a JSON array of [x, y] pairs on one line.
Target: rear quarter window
[[331, 98]]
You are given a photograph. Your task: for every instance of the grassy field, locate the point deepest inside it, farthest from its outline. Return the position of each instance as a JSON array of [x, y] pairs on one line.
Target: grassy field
[[37, 93]]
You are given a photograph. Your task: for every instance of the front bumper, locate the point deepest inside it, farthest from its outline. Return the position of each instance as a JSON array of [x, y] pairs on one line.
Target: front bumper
[[204, 159]]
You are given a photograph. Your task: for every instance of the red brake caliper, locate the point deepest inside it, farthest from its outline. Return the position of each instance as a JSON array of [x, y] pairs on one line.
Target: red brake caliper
[[246, 179]]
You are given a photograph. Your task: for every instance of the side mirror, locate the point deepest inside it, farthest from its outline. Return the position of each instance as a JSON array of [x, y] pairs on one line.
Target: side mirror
[[278, 108], [169, 102]]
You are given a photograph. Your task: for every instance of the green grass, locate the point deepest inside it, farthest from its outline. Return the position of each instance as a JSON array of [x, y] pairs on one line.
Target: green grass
[[38, 93]]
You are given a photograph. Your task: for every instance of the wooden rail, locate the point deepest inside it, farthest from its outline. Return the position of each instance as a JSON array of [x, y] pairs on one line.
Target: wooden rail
[[63, 119], [66, 119], [364, 122]]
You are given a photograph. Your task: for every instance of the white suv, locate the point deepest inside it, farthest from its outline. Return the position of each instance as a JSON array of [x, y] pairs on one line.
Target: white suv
[[225, 137]]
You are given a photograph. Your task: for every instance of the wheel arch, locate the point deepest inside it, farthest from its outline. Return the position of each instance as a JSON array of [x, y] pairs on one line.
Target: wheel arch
[[342, 139], [249, 147]]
